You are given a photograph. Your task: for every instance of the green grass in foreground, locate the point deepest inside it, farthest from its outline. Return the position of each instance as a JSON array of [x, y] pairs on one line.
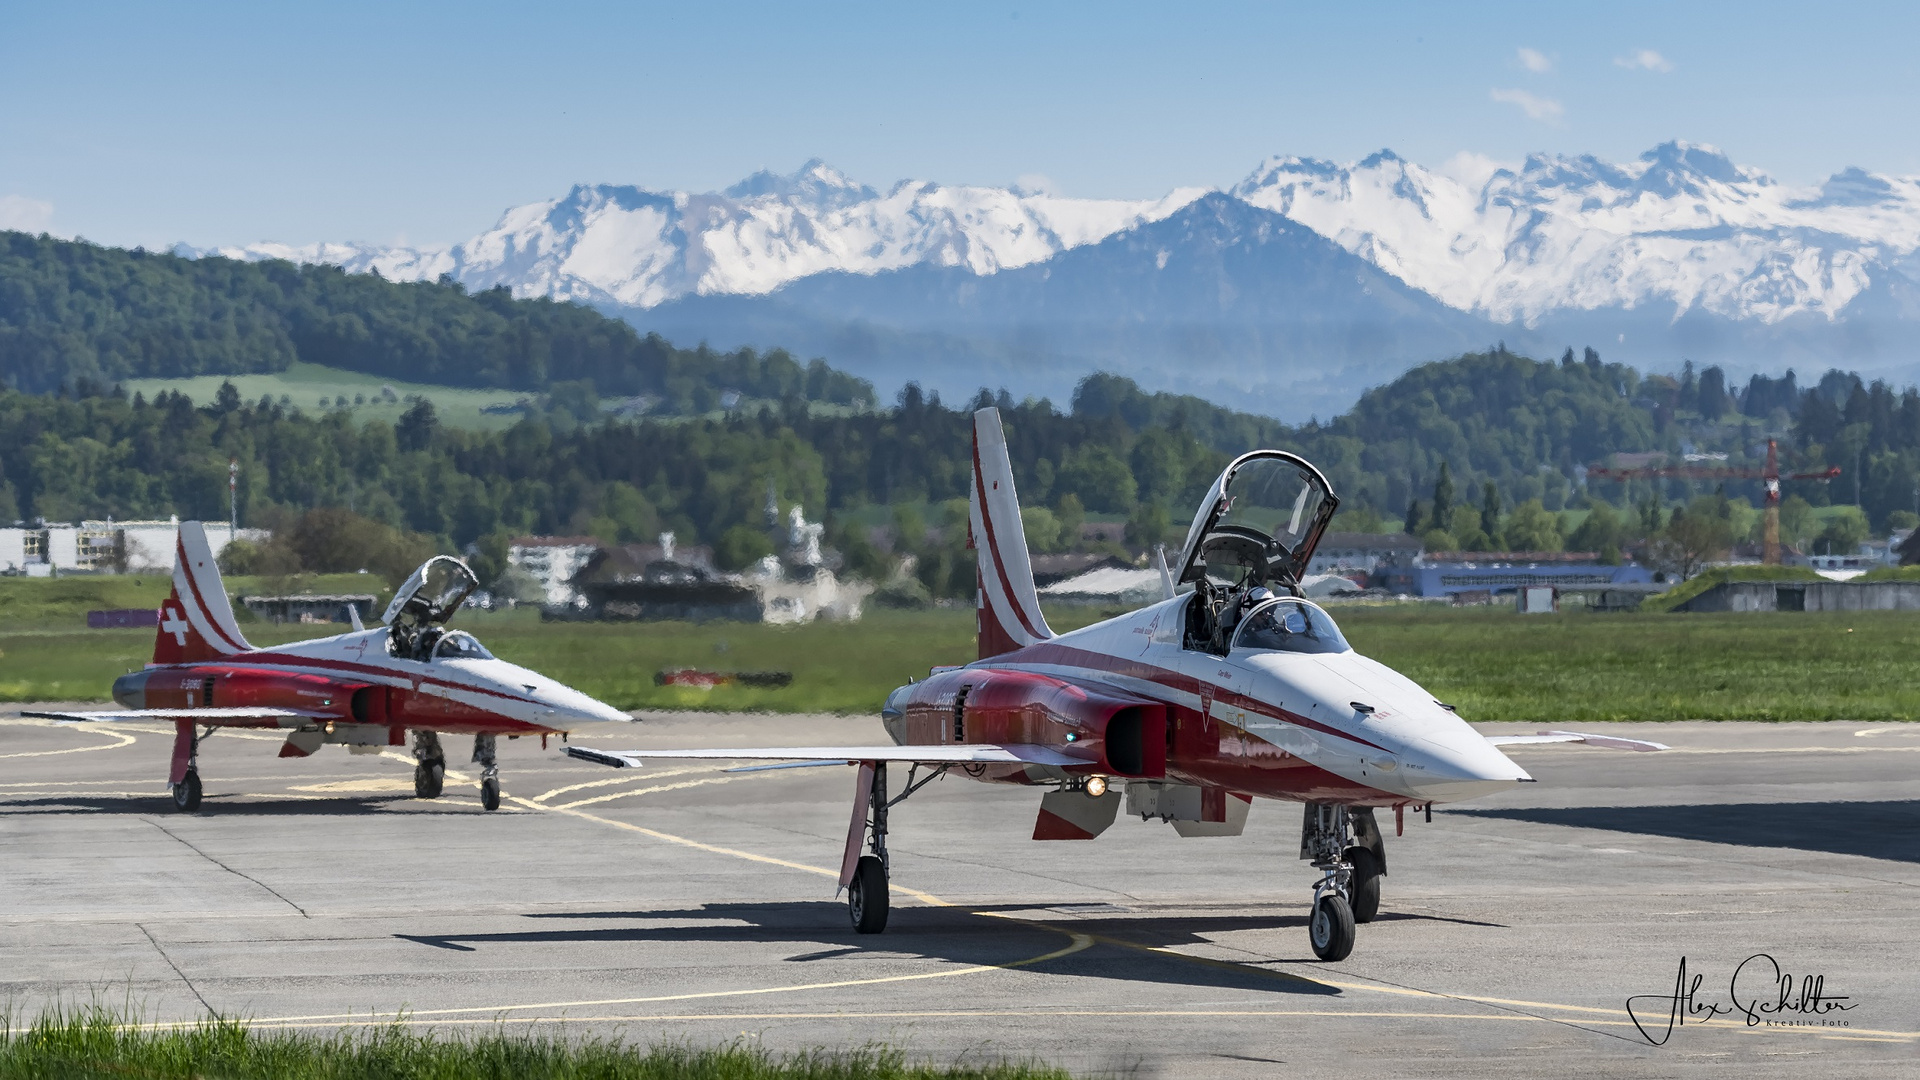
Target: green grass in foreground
[[1493, 664], [94, 1043]]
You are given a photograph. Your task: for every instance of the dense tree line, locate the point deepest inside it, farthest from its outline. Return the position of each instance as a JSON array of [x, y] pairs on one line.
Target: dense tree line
[[1477, 452], [73, 311]]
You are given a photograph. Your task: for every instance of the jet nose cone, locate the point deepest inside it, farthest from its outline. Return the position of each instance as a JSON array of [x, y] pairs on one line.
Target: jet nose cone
[[573, 705], [1462, 767]]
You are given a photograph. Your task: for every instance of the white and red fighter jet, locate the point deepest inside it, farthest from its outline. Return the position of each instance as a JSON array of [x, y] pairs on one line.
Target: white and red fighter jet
[[1185, 710], [365, 689]]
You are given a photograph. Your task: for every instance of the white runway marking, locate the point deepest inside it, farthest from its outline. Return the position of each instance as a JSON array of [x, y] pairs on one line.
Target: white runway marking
[[125, 739]]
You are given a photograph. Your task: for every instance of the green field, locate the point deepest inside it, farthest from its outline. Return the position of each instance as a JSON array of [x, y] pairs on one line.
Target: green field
[[1489, 662], [313, 388], [94, 1043], [304, 385]]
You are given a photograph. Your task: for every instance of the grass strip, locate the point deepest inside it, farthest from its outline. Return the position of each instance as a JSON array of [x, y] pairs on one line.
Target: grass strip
[[97, 1042], [1492, 663]]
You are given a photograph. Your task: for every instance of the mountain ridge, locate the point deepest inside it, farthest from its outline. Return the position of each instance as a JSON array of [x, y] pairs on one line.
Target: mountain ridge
[[1681, 253]]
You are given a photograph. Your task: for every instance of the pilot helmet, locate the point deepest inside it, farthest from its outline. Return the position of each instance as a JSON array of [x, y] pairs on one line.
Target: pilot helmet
[[1259, 594]]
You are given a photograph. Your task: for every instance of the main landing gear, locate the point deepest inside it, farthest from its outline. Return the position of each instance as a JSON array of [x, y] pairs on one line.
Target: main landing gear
[[430, 770], [1346, 847], [866, 878], [489, 772], [185, 788], [186, 793]]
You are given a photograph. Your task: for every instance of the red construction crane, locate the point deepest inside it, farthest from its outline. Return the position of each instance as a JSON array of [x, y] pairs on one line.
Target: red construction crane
[[1770, 473]]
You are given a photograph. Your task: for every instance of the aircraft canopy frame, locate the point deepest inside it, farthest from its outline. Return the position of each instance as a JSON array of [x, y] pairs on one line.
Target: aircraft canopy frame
[[1260, 521]]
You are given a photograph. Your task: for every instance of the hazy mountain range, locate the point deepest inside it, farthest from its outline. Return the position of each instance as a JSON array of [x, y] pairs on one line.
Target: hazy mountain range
[[1285, 294]]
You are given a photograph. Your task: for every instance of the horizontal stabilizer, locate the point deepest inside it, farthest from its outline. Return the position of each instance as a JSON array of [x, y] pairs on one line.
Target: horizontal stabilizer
[[957, 754], [214, 717], [1613, 742]]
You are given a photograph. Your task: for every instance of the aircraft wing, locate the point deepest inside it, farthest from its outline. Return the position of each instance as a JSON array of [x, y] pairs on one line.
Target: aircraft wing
[[793, 757], [208, 716], [1611, 741]]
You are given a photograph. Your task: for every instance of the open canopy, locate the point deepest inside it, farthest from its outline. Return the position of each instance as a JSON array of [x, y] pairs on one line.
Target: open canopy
[[432, 594], [1259, 522]]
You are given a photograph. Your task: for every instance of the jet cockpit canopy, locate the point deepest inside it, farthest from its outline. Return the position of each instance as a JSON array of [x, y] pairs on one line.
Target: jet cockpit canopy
[[1259, 522], [426, 600]]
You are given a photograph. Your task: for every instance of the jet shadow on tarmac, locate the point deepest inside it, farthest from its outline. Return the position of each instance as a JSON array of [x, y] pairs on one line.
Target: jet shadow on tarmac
[[1877, 830], [1124, 948]]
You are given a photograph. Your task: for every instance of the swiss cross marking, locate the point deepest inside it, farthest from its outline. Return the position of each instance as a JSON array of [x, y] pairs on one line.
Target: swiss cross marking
[[175, 625]]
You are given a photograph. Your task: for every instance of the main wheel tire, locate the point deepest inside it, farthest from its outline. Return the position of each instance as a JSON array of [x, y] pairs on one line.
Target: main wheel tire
[[867, 896], [1331, 929], [1364, 884], [490, 793], [429, 777], [186, 793]]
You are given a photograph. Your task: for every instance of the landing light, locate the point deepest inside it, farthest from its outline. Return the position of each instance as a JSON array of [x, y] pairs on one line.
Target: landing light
[[1096, 786]]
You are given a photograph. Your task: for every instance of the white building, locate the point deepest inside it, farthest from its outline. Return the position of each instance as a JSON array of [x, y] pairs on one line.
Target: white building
[[553, 561], [104, 547], [1367, 553]]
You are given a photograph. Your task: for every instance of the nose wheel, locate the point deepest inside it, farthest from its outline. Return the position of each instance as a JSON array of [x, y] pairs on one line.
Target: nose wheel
[[1331, 927], [489, 772]]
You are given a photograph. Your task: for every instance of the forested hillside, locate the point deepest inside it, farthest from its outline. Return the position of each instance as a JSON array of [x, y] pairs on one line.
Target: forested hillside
[[72, 311], [1450, 429]]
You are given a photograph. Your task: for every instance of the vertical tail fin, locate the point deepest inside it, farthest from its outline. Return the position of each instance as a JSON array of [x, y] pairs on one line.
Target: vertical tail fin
[[1008, 607], [196, 622]]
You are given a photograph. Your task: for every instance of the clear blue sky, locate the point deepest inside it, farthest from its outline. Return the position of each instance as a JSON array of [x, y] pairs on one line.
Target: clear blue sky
[[228, 123]]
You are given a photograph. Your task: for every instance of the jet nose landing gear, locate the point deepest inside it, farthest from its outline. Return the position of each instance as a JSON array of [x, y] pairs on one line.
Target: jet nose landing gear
[[1348, 891], [489, 772], [430, 768]]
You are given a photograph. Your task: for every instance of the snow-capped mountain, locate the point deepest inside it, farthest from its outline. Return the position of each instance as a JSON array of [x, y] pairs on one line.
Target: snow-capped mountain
[[631, 247], [1681, 254], [1682, 225], [1221, 298]]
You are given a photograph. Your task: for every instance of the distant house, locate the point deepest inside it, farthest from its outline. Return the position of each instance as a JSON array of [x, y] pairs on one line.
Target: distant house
[[553, 561], [665, 581], [311, 609], [1103, 532], [1116, 586], [1371, 554], [1048, 569]]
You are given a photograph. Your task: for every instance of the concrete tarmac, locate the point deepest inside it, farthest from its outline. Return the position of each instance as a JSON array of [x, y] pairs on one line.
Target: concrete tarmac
[[680, 902]]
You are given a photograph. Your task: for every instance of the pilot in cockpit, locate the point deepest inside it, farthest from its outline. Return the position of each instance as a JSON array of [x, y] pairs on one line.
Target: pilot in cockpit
[[1235, 610]]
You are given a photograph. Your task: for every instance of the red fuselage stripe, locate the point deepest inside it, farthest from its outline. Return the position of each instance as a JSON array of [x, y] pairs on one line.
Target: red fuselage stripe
[[1065, 655], [255, 658]]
